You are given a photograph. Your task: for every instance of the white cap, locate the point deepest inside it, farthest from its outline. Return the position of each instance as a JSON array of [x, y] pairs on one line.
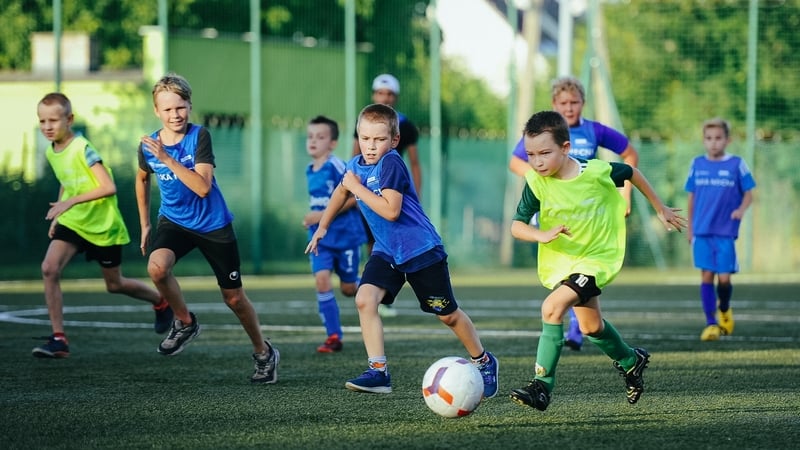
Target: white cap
[[386, 81]]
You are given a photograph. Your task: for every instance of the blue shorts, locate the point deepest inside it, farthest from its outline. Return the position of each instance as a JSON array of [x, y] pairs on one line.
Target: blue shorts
[[343, 262], [715, 254], [219, 247], [430, 284], [107, 257]]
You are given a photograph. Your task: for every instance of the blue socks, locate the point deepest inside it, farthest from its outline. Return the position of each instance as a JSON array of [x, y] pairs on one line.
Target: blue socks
[[329, 313], [709, 300]]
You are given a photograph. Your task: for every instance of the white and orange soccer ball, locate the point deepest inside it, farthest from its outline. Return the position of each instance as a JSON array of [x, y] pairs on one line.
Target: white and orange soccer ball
[[452, 387]]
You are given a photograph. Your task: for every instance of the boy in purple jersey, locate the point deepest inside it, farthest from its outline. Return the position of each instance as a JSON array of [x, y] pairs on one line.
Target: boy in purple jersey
[[407, 248], [193, 214], [720, 188], [340, 252], [568, 97]]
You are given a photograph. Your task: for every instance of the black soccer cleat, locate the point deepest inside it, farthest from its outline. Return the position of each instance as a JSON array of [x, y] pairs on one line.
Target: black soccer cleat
[[534, 395], [634, 383]]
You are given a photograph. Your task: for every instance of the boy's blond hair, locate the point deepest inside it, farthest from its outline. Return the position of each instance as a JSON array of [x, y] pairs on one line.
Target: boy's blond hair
[[717, 122], [568, 84], [172, 82]]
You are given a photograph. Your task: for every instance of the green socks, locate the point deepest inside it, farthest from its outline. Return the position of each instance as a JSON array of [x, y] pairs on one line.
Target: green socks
[[548, 352], [611, 343]]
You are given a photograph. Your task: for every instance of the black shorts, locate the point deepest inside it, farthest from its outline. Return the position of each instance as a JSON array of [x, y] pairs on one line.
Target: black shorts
[[107, 257], [583, 285], [219, 247], [431, 284]]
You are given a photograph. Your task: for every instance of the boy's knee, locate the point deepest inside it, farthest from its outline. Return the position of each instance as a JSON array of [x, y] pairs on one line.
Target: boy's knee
[[349, 290], [113, 287], [49, 270], [156, 271]]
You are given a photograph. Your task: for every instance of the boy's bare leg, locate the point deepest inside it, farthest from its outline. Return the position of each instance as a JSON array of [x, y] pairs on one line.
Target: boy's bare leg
[[237, 301], [367, 299], [59, 253], [117, 284]]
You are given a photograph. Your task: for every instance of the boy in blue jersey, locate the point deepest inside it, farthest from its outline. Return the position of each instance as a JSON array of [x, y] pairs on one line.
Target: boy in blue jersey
[[386, 91], [568, 98], [85, 219], [407, 248], [193, 214], [581, 236], [720, 188], [341, 250]]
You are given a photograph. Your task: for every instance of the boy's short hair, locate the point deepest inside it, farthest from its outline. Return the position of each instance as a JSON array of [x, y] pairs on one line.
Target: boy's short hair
[[60, 99], [568, 84], [379, 113], [334, 127], [172, 82], [717, 122], [548, 122]]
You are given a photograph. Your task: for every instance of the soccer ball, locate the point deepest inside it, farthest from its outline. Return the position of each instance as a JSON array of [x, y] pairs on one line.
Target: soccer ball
[[452, 387]]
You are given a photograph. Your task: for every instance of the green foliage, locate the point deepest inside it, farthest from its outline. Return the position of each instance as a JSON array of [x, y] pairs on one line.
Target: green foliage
[[675, 64]]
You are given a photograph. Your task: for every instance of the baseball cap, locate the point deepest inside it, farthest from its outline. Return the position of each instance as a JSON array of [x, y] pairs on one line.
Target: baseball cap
[[386, 81]]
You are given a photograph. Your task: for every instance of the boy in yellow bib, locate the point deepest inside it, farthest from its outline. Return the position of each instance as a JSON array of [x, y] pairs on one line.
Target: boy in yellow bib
[[84, 219], [582, 246]]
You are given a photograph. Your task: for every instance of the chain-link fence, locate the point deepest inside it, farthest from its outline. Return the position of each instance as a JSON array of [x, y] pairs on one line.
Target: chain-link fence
[[667, 66]]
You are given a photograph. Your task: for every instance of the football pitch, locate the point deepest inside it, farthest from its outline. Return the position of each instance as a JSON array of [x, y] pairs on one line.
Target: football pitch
[[115, 391]]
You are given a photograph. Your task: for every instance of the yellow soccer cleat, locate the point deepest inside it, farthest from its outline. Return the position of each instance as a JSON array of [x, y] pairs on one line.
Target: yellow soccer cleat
[[711, 333], [725, 320]]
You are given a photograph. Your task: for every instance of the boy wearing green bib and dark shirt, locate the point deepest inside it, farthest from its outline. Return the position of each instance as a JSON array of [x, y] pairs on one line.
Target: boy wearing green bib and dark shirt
[[582, 246]]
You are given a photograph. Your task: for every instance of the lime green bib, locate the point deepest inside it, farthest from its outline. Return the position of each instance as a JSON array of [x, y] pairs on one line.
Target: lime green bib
[[594, 211], [98, 221]]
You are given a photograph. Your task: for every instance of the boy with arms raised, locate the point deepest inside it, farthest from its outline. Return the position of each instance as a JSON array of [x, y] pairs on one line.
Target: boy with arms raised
[[407, 248], [585, 136], [581, 238]]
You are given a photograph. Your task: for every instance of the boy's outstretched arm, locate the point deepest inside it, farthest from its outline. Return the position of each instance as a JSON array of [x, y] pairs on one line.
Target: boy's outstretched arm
[[526, 232], [105, 187], [337, 201], [667, 215]]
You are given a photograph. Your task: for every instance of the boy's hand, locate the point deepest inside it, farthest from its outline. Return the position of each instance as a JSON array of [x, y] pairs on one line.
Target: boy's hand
[[154, 147], [350, 181], [312, 244], [52, 230], [671, 220], [551, 234], [57, 208]]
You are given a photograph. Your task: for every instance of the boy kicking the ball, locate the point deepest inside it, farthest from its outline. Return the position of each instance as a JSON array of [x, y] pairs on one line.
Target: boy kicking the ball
[[581, 238], [407, 248]]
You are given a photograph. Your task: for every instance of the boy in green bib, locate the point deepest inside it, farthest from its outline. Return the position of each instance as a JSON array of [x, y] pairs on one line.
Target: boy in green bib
[[84, 219], [581, 238]]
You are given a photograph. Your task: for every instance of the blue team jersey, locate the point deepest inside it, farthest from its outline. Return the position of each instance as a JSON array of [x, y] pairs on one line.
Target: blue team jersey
[[584, 140], [178, 203], [412, 234], [347, 229], [718, 188]]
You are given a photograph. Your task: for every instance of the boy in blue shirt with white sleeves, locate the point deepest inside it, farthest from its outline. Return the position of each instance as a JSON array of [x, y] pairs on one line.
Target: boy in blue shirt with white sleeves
[[720, 188]]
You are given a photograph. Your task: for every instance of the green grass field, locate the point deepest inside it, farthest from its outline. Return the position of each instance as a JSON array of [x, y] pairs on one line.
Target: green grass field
[[115, 391]]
